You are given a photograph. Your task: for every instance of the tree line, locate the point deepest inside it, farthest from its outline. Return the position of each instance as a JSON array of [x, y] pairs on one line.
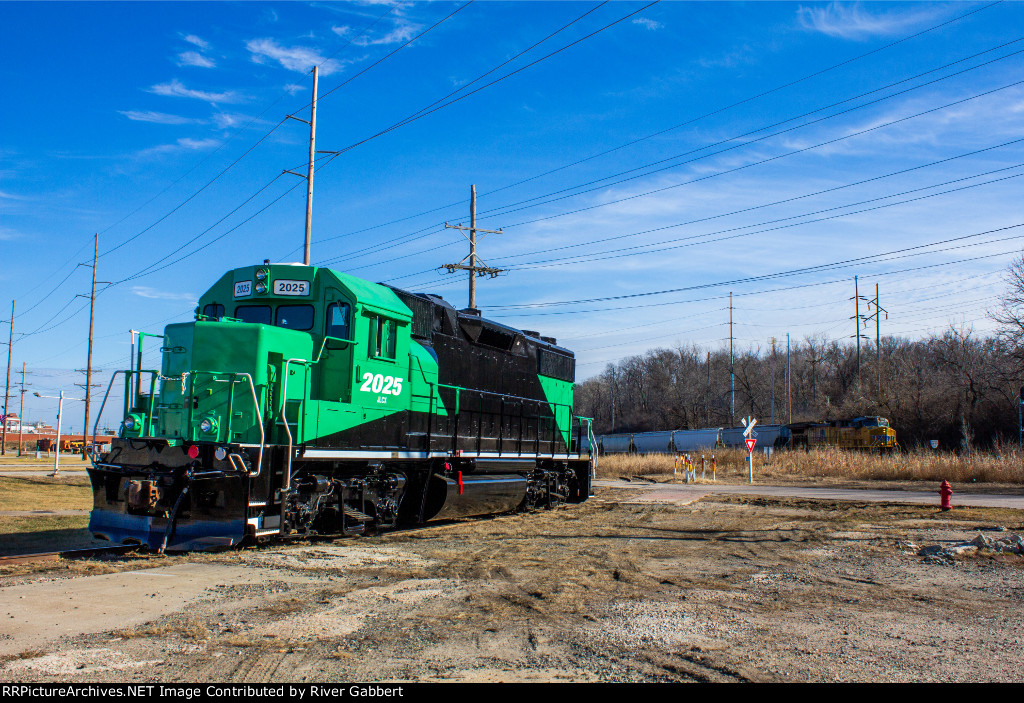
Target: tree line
[[959, 388]]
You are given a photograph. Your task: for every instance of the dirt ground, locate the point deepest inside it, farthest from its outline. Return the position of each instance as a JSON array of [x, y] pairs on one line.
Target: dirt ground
[[630, 586]]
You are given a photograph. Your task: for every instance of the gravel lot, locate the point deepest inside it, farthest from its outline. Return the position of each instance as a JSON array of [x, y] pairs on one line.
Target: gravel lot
[[632, 586]]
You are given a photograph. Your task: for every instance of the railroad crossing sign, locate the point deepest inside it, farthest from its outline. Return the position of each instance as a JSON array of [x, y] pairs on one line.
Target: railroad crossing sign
[[748, 424], [750, 444]]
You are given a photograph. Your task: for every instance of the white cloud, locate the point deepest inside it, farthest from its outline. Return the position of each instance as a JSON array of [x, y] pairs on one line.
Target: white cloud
[[176, 89], [224, 120], [193, 39], [157, 117], [157, 294], [292, 88], [194, 58], [403, 31], [183, 144], [851, 21], [647, 23], [294, 58]]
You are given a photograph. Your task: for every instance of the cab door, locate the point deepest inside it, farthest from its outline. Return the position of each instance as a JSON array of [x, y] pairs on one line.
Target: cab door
[[335, 367]]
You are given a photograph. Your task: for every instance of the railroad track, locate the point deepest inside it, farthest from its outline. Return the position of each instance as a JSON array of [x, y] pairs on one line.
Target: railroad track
[[67, 554]]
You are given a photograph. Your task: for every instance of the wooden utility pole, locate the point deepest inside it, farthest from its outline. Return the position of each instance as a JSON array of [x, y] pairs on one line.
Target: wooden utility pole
[[21, 412], [309, 172], [732, 372], [308, 175], [92, 317], [773, 341], [474, 269], [789, 382], [7, 391]]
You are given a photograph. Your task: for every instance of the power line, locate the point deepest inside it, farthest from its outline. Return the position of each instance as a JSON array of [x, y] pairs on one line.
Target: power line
[[737, 232], [375, 248], [780, 274], [600, 256], [690, 121]]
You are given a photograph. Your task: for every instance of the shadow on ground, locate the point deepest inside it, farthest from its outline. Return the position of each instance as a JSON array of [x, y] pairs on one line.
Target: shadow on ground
[[47, 541]]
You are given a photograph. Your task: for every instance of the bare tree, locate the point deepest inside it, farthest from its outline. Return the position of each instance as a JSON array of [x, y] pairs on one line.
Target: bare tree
[[1010, 315]]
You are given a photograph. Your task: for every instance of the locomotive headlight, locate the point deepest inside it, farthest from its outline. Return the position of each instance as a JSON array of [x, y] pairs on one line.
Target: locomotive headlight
[[132, 423], [208, 425], [261, 288], [261, 274]]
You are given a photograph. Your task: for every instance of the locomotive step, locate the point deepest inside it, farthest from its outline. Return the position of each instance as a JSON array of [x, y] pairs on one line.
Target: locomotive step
[[353, 514]]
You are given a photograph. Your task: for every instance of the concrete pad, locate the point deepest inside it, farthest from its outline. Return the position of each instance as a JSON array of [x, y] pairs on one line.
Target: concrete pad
[[33, 615]]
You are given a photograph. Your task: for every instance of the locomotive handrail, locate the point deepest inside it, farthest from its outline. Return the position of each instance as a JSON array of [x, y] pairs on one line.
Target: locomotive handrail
[[127, 410], [136, 362], [284, 402], [555, 407], [288, 430], [323, 344], [193, 374]]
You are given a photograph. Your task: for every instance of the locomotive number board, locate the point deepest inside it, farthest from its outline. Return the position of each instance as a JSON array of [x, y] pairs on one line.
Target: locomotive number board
[[285, 287]]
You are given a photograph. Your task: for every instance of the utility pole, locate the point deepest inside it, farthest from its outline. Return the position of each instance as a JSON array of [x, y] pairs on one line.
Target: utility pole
[[474, 269], [707, 396], [21, 412], [309, 172], [308, 175], [773, 341], [88, 361], [7, 391], [789, 381], [732, 372], [857, 297], [878, 340]]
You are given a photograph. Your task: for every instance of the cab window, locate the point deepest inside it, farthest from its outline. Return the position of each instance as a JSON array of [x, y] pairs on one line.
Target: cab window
[[382, 338], [213, 311], [337, 321], [295, 317], [259, 314]]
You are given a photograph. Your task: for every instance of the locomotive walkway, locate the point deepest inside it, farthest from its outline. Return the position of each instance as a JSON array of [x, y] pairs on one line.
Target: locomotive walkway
[[688, 493]]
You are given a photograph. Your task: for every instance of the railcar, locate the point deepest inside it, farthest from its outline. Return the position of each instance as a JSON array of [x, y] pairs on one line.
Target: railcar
[[304, 401]]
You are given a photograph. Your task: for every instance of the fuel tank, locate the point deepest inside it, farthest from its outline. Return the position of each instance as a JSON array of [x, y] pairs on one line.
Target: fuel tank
[[465, 495]]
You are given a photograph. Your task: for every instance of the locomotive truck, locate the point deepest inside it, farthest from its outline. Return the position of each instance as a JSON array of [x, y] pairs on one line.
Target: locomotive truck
[[304, 401]]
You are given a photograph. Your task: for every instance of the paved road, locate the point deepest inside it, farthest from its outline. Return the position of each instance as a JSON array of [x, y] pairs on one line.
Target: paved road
[[674, 492]]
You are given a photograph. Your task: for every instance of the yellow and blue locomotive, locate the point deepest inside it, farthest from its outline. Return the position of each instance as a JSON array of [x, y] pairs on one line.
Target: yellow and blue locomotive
[[304, 401]]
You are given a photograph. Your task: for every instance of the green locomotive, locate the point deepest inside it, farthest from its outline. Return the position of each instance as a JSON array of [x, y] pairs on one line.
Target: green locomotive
[[307, 401]]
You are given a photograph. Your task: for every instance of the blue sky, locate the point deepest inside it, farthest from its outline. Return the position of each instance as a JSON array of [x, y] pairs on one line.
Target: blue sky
[[699, 148]]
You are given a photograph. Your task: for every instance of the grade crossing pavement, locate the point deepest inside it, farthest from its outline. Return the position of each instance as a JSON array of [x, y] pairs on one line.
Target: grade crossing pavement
[[688, 493]]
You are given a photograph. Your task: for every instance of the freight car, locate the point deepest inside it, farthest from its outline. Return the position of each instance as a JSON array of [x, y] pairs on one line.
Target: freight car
[[662, 442], [304, 401]]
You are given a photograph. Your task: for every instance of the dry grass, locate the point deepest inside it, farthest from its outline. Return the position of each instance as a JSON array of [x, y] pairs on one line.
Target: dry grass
[[45, 493], [12, 462], [1000, 466], [188, 630]]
